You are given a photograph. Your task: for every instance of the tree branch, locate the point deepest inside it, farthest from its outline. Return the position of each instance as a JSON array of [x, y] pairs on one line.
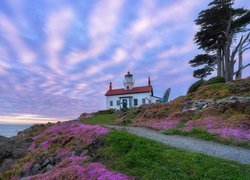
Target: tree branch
[[245, 49], [243, 67]]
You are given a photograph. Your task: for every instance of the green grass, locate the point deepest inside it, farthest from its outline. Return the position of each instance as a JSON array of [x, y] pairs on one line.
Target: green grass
[[195, 132], [205, 135], [196, 116], [146, 159], [101, 119]]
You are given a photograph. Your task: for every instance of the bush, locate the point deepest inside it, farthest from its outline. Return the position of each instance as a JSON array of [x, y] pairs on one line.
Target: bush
[[195, 86], [102, 112], [215, 80], [129, 115]]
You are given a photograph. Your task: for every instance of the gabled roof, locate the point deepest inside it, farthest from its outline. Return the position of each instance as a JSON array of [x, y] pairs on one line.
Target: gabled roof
[[141, 89]]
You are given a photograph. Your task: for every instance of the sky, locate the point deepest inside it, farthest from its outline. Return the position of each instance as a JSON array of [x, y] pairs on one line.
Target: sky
[[58, 57]]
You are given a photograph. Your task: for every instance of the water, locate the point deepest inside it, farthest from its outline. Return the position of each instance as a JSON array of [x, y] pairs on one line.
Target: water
[[9, 130]]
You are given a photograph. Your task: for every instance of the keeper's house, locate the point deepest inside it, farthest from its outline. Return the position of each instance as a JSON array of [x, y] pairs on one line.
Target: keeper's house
[[130, 96]]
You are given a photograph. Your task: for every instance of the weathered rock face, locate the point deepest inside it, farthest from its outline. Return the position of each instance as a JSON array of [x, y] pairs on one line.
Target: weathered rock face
[[15, 147], [11, 149], [5, 148]]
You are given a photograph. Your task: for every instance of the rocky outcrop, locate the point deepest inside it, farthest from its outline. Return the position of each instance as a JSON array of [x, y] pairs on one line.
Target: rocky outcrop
[[15, 147], [5, 147], [66, 150], [11, 149], [190, 104]]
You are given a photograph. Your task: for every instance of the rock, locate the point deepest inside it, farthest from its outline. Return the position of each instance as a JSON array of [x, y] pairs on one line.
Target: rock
[[45, 162], [36, 168], [199, 103], [44, 153], [6, 164], [84, 152], [73, 153], [18, 152], [148, 114], [29, 140], [49, 167], [85, 115], [25, 173], [6, 146], [52, 160]]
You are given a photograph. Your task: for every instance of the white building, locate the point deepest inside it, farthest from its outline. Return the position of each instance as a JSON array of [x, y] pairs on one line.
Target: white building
[[130, 96]]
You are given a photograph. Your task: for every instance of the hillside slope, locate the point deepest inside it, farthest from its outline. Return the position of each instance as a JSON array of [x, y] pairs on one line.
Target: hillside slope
[[219, 111]]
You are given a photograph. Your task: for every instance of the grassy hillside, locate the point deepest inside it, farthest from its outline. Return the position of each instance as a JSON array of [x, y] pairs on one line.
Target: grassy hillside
[[146, 159], [101, 119], [72, 150], [228, 123], [221, 90]]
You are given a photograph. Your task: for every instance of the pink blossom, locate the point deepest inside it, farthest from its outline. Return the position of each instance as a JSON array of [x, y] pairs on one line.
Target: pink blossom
[[64, 131], [163, 124], [229, 132], [71, 168], [220, 127]]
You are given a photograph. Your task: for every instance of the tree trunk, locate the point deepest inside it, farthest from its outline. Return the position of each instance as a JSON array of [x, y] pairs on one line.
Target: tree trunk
[[227, 64], [239, 74], [219, 69], [223, 64]]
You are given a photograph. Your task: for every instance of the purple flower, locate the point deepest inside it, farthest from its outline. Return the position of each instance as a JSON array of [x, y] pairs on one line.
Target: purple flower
[[71, 168], [64, 131]]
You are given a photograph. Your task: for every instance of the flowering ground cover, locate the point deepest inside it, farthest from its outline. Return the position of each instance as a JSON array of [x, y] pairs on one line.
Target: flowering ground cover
[[214, 129], [159, 124], [64, 151], [72, 168], [225, 123], [220, 127], [66, 133]]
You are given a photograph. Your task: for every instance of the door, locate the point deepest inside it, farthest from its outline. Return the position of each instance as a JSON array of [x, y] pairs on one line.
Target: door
[[124, 103]]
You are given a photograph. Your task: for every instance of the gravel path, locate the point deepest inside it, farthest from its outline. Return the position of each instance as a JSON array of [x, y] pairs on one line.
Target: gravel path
[[210, 148]]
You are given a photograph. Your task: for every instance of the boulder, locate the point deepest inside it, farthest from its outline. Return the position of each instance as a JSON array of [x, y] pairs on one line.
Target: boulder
[[45, 162], [18, 152], [36, 168], [49, 167]]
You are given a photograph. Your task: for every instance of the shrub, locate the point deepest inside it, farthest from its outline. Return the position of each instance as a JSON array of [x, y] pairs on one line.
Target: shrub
[[129, 116], [215, 80], [108, 111], [195, 86]]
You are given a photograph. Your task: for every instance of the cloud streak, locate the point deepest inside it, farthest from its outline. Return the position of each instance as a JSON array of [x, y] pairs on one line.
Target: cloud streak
[[58, 57]]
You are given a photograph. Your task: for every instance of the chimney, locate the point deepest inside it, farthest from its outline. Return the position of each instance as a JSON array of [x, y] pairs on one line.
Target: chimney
[[149, 81], [110, 86]]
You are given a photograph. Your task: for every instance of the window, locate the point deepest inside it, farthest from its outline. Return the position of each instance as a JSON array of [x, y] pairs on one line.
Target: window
[[118, 102], [135, 102], [143, 101], [111, 103], [127, 87]]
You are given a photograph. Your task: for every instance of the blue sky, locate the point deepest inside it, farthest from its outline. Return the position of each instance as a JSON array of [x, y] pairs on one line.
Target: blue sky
[[57, 57]]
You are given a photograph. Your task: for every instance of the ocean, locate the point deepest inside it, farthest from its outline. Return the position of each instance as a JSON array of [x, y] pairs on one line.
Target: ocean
[[9, 130]]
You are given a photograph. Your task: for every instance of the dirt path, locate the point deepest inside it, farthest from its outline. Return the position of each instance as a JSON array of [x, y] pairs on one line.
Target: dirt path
[[186, 143]]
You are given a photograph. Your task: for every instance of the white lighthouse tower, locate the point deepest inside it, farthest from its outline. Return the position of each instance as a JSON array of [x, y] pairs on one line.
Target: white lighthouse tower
[[129, 81]]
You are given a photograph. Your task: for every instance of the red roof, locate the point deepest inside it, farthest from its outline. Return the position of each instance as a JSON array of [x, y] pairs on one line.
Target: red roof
[[141, 89]]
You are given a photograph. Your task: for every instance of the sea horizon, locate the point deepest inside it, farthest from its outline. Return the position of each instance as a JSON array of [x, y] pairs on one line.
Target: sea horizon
[[11, 129]]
